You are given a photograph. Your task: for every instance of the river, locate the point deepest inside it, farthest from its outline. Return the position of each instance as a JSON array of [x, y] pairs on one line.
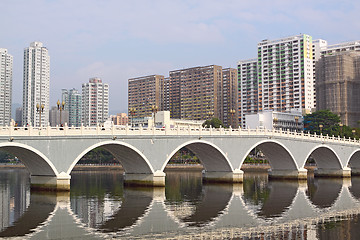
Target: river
[[100, 207]]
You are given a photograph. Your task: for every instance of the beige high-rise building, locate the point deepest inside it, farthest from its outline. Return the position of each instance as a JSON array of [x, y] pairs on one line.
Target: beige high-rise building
[[230, 95], [145, 95], [338, 85], [197, 93]]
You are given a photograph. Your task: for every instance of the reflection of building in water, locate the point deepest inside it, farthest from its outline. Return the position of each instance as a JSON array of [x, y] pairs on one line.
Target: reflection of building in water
[[4, 207], [95, 211], [14, 199]]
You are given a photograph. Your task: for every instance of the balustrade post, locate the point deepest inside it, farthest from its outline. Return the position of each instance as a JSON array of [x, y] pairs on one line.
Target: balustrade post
[[141, 129], [66, 128], [30, 128], [82, 129], [127, 130], [48, 130], [177, 130]]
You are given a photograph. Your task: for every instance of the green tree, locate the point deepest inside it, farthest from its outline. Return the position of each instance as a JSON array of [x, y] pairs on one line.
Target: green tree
[[322, 121], [214, 122]]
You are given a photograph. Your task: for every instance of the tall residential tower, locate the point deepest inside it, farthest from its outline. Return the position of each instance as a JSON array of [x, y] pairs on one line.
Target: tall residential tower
[[6, 65], [95, 102], [73, 101], [284, 76], [36, 85]]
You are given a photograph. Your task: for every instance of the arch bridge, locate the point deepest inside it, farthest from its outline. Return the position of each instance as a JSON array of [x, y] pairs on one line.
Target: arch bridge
[[50, 154]]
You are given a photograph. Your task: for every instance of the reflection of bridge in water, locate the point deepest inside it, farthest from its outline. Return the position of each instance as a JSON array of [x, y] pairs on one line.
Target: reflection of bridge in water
[[220, 209], [50, 154]]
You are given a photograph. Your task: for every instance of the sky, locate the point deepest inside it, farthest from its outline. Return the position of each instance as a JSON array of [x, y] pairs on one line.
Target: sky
[[117, 40]]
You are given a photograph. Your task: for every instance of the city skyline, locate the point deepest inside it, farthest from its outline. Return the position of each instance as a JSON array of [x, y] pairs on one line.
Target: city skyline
[[126, 40]]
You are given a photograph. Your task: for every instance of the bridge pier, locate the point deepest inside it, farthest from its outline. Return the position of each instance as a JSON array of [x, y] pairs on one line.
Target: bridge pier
[[156, 179], [342, 173], [51, 183], [236, 176], [300, 174]]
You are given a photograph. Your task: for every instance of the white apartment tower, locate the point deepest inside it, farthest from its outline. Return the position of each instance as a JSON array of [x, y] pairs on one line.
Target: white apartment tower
[[249, 94], [95, 102], [6, 65], [281, 77], [36, 85]]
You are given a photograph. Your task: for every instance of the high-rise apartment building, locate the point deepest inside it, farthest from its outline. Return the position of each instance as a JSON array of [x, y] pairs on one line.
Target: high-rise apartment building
[[321, 48], [229, 106], [145, 95], [338, 85], [250, 98], [95, 102], [36, 85], [196, 93], [6, 71], [73, 104], [284, 75]]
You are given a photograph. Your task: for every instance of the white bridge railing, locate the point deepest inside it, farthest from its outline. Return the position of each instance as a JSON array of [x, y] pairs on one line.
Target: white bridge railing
[[11, 131]]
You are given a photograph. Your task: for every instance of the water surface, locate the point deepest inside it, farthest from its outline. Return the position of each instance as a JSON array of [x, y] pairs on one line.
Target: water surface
[[99, 206]]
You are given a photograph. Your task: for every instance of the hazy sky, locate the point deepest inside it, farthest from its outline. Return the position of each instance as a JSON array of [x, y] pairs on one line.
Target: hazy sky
[[117, 40]]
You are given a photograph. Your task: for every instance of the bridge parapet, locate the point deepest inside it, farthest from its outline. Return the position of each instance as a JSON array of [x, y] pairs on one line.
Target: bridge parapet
[[12, 131]]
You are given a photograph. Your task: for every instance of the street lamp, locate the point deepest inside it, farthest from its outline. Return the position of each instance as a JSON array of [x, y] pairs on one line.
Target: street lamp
[[132, 113], [321, 126], [154, 109], [61, 108], [232, 112], [353, 132], [40, 109]]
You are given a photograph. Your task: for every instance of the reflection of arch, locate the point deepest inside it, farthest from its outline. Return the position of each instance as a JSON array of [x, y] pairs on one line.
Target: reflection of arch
[[40, 208], [211, 156], [213, 203], [354, 160], [325, 157], [355, 187], [133, 207], [276, 153], [132, 160], [35, 161], [276, 199], [323, 192]]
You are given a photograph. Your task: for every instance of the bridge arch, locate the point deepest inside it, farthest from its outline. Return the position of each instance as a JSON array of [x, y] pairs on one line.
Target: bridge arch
[[35, 161], [325, 157], [354, 159], [210, 155], [132, 160], [278, 155]]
